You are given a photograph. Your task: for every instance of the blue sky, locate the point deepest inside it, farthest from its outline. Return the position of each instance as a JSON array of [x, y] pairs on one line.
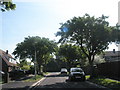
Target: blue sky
[[43, 17]]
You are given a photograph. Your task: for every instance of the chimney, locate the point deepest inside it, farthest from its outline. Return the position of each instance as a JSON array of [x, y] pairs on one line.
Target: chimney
[[113, 50], [6, 51]]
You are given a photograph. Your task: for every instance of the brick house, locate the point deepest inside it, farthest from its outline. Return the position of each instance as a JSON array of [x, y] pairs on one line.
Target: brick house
[[5, 65]]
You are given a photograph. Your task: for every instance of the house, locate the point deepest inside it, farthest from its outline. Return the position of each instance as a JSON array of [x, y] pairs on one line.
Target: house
[[111, 56], [6, 65]]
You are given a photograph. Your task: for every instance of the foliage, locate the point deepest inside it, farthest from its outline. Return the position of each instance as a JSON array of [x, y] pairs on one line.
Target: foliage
[[99, 59], [42, 47], [71, 53], [91, 34], [87, 77], [24, 65], [53, 65], [6, 6], [115, 34], [47, 58]]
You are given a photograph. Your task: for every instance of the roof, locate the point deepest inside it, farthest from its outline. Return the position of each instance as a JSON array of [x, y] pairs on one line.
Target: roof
[[111, 53], [4, 53], [5, 57]]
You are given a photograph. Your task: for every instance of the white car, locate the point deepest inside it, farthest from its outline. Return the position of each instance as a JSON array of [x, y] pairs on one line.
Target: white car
[[76, 73], [63, 71]]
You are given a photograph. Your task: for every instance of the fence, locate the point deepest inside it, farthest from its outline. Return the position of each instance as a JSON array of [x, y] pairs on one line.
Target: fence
[[110, 69]]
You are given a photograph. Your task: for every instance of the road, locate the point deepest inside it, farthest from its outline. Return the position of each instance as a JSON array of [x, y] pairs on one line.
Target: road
[[55, 80]]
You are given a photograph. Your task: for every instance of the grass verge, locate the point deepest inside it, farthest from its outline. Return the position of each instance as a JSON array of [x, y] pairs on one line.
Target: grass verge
[[87, 77], [38, 77], [32, 79], [103, 81]]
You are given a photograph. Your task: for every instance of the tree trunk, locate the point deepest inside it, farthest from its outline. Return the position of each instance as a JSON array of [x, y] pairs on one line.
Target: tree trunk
[[91, 67], [69, 65], [45, 66], [91, 70], [40, 70]]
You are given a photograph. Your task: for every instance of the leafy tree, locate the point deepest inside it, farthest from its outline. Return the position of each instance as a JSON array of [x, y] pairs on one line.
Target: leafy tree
[[61, 61], [7, 5], [46, 58], [24, 65], [71, 53], [27, 49], [53, 65], [115, 34], [90, 33]]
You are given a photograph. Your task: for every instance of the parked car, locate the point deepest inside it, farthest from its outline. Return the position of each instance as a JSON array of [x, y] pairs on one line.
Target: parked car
[[76, 73], [63, 71]]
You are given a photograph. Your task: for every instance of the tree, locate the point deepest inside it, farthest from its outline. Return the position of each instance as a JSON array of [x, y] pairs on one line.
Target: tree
[[72, 54], [115, 34], [24, 65], [90, 33], [47, 58], [7, 5], [42, 47]]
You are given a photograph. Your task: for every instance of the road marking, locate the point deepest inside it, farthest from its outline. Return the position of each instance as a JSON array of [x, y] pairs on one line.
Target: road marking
[[38, 82], [35, 84]]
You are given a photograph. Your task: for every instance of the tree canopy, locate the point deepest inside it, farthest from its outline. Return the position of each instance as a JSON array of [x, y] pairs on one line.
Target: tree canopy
[[115, 34], [91, 34], [7, 5], [72, 54], [42, 46]]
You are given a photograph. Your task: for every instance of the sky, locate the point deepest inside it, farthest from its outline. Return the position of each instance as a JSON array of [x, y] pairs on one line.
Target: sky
[[43, 17]]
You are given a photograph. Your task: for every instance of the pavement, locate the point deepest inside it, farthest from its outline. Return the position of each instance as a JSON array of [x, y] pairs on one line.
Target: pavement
[[18, 84]]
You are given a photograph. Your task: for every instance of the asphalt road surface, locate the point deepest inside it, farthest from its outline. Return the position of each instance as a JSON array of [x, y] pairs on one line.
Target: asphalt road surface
[[56, 80]]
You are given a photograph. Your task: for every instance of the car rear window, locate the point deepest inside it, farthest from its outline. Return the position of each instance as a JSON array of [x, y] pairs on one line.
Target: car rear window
[[77, 70], [63, 69]]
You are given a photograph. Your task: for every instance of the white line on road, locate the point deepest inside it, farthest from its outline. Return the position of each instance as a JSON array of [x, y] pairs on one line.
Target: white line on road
[[38, 82], [35, 84]]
